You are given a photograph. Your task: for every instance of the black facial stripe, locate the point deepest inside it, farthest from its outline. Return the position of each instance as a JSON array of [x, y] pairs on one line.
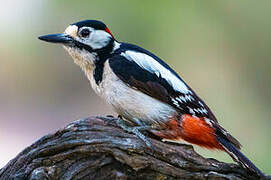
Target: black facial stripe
[[102, 51], [102, 55], [82, 46]]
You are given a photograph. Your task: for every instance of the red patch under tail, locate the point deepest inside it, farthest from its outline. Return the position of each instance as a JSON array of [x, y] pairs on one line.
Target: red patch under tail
[[197, 131], [191, 129]]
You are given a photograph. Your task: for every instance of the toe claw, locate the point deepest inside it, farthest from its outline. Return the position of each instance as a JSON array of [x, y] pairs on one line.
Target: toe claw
[[136, 131]]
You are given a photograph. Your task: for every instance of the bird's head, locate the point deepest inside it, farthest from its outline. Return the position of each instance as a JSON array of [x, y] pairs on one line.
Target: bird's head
[[86, 41]]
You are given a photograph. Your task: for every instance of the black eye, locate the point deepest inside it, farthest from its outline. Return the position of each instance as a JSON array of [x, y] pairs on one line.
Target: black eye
[[85, 33]]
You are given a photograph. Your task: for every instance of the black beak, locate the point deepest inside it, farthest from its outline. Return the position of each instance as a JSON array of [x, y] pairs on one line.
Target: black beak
[[57, 38]]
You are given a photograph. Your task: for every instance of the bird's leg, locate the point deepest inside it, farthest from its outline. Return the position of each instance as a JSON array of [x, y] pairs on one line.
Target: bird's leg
[[136, 130]]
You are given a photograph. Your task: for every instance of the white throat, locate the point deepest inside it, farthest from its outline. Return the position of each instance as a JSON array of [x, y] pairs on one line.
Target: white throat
[[85, 59]]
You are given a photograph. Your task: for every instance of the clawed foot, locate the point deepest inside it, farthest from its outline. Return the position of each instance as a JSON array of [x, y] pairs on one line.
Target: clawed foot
[[136, 131]]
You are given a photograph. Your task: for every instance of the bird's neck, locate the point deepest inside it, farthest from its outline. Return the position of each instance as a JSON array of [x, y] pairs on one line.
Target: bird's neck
[[92, 62], [102, 55]]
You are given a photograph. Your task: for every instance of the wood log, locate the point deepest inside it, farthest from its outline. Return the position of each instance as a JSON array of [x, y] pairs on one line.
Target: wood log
[[96, 148]]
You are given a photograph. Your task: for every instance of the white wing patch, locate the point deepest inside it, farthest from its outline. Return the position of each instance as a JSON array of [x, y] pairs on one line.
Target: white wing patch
[[201, 110], [197, 110], [148, 63], [175, 102], [185, 98]]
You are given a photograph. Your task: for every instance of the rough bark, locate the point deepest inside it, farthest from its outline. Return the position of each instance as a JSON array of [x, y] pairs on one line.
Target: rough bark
[[96, 148]]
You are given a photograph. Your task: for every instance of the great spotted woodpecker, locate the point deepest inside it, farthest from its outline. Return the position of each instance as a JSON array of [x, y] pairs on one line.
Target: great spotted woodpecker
[[145, 90]]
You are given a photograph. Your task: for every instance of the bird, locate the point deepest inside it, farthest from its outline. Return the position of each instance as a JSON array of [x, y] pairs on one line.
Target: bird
[[145, 90]]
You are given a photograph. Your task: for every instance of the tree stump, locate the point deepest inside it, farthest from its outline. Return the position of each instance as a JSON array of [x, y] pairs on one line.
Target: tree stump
[[96, 148]]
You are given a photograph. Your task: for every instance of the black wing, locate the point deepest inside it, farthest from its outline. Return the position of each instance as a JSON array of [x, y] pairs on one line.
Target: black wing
[[150, 79], [151, 82]]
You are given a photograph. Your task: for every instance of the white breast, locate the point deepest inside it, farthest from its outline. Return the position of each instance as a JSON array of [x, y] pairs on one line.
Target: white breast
[[128, 102]]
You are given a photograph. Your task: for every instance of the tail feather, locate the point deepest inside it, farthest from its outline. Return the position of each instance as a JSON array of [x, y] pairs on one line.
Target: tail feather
[[238, 156]]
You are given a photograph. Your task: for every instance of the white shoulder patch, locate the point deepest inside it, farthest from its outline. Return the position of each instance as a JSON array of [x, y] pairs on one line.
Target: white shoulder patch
[[116, 46], [148, 63]]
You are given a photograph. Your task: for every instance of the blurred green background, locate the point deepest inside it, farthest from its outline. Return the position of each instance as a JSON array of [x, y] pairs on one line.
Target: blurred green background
[[220, 48]]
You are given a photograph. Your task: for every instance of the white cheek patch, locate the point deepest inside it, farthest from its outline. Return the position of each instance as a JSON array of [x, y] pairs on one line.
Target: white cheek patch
[[71, 30], [148, 63], [98, 39]]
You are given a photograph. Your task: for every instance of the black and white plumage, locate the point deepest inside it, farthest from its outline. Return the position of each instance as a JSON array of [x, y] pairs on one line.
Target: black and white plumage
[[144, 89], [146, 72]]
